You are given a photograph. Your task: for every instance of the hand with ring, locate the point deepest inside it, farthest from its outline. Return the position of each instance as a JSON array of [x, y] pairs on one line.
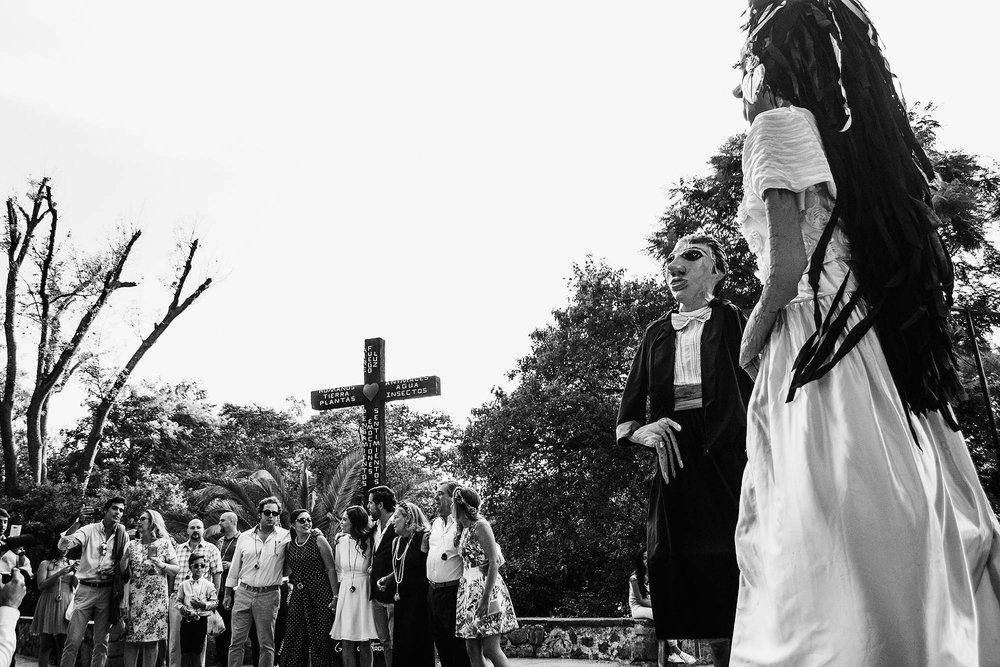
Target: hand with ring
[[659, 436]]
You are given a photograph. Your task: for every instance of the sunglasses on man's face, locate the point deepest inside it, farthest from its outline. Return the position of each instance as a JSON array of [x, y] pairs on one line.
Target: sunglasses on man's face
[[270, 513], [689, 255]]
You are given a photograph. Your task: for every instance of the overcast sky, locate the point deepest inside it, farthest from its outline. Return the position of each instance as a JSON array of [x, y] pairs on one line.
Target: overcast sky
[[427, 172]]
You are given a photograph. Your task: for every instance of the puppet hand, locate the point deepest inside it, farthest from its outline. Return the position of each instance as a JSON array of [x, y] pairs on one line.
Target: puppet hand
[[660, 437]]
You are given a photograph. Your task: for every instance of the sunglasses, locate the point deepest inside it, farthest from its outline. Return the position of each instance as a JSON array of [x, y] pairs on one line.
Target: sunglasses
[[303, 519], [198, 566], [689, 255], [270, 513]]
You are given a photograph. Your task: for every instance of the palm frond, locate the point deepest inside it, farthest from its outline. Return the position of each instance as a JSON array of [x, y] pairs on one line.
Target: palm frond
[[340, 489]]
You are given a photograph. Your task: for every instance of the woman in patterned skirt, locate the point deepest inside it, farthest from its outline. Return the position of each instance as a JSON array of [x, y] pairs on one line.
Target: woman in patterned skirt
[[484, 610], [56, 582], [151, 558], [312, 580]]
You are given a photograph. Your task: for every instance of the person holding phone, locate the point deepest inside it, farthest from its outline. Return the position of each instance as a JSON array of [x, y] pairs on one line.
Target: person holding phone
[[12, 558], [56, 584], [11, 594], [105, 546]]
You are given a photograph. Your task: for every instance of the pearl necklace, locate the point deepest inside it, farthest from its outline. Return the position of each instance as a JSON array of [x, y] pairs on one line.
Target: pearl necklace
[[399, 562]]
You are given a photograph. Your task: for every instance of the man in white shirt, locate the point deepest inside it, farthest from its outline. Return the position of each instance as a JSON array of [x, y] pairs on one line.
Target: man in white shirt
[[255, 574], [213, 560], [104, 546], [11, 595], [444, 570]]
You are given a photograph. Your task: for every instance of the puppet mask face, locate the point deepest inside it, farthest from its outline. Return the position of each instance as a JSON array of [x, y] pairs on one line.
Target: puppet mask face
[[691, 274]]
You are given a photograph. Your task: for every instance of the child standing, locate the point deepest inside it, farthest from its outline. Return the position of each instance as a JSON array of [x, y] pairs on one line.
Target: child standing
[[196, 600]]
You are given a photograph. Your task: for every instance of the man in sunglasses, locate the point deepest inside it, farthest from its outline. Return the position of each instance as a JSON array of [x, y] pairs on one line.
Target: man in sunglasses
[[195, 544], [687, 371], [253, 585]]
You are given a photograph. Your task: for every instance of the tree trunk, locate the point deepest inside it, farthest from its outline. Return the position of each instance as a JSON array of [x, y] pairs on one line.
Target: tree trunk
[[17, 250], [176, 307]]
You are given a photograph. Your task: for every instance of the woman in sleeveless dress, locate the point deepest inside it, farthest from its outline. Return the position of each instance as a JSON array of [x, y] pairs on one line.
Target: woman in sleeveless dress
[[151, 558], [484, 610], [57, 582], [312, 580], [864, 536], [354, 624], [412, 641]]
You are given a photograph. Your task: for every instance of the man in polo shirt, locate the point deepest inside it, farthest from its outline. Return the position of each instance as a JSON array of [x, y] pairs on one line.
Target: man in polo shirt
[[104, 547], [213, 559], [253, 585], [444, 569]]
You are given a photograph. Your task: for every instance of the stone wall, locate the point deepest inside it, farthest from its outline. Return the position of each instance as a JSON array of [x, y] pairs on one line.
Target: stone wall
[[625, 640]]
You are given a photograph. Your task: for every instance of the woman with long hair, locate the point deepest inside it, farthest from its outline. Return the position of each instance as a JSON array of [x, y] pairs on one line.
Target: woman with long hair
[[412, 641], [354, 624], [864, 536], [484, 608], [641, 606], [151, 558], [312, 581], [56, 580]]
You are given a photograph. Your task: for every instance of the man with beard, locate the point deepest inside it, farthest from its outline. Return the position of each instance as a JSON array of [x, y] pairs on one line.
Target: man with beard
[[104, 546], [687, 371], [195, 545], [381, 505]]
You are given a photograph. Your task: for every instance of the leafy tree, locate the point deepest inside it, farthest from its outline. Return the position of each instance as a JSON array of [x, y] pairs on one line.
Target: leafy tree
[[567, 505], [154, 427]]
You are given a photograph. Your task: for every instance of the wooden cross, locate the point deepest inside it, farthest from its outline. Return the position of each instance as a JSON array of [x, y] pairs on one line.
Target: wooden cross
[[374, 394]]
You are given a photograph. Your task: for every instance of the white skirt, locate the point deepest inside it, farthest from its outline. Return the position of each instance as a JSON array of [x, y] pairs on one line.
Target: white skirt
[[855, 546], [353, 620]]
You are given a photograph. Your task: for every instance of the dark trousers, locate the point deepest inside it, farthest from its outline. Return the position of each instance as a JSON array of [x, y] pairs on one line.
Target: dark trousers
[[450, 649], [222, 640]]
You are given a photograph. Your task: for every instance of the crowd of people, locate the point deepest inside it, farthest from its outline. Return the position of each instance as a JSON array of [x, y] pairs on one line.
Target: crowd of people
[[389, 575]]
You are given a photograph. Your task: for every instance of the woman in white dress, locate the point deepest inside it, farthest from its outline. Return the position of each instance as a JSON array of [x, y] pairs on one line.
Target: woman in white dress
[[864, 536], [353, 623]]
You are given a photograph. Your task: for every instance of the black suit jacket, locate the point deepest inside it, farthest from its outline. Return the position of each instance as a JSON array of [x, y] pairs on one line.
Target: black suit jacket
[[725, 387], [382, 566]]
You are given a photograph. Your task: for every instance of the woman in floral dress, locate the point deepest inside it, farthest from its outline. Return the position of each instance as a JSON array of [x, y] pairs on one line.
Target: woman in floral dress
[[151, 558], [484, 610]]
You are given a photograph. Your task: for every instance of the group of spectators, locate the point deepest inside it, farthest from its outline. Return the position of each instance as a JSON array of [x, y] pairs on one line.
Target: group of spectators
[[390, 574]]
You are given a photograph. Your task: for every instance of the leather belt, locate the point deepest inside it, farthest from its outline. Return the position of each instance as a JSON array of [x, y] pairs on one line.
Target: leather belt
[[97, 583], [260, 589], [443, 584]]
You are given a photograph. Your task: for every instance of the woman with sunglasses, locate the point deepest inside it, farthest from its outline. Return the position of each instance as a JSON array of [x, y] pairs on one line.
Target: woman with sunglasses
[[312, 580], [687, 372], [354, 622], [151, 558]]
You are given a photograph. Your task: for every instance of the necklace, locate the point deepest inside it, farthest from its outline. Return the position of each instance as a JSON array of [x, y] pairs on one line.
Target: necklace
[[399, 561], [353, 560], [302, 544]]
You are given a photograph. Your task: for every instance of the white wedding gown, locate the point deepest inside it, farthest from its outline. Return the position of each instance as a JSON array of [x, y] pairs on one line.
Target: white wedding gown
[[856, 546]]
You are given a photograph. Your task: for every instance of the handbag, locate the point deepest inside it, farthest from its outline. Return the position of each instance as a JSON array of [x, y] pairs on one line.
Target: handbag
[[216, 626], [70, 609]]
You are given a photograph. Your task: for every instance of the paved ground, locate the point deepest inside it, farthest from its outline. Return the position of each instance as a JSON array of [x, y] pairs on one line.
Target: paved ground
[[25, 661]]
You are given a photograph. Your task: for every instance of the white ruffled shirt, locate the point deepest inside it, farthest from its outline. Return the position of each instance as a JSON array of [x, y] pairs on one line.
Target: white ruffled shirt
[[783, 150]]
